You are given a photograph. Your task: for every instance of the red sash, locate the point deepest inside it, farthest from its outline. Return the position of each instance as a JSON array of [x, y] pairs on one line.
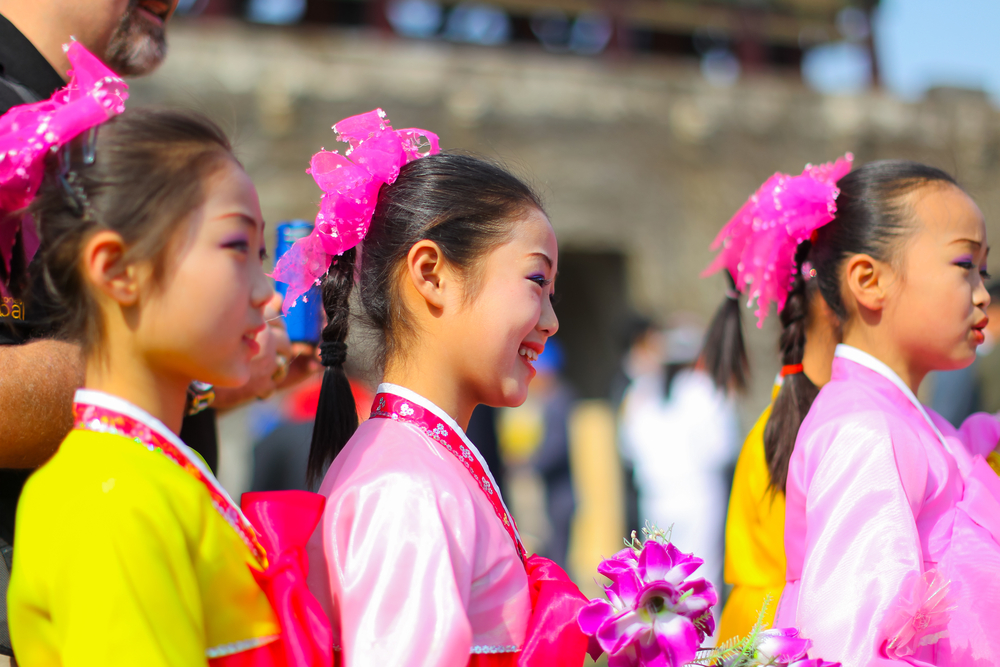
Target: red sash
[[87, 417], [390, 406]]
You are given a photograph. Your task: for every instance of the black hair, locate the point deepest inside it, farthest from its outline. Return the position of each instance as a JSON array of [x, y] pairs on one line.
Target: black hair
[[467, 206], [725, 351], [871, 218], [797, 391]]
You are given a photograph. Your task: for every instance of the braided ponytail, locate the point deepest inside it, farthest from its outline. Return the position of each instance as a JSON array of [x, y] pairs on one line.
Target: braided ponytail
[[797, 391], [725, 351], [337, 414]]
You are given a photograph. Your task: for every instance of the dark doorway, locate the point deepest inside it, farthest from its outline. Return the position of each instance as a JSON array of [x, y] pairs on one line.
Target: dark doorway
[[593, 307]]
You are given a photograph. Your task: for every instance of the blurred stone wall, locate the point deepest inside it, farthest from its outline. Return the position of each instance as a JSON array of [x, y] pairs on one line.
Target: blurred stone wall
[[637, 156]]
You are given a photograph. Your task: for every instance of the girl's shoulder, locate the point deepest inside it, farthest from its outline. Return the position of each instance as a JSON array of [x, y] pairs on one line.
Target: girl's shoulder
[[851, 420], [103, 486], [107, 466], [399, 457]]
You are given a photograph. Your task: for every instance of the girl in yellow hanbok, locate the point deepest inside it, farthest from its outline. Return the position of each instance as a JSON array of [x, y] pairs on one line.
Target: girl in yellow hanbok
[[129, 552]]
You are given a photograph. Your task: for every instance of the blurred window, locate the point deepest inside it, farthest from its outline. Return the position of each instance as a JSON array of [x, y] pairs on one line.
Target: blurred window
[[419, 19], [478, 23]]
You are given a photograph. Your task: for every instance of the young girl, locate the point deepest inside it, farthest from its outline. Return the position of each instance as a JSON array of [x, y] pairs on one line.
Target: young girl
[[417, 559], [891, 528], [128, 550], [755, 552]]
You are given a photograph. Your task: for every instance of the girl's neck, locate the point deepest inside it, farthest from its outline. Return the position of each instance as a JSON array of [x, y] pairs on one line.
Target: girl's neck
[[888, 354], [433, 386], [138, 384]]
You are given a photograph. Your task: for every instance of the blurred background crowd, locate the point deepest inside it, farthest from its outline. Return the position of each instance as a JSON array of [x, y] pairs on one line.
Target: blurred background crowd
[[645, 124]]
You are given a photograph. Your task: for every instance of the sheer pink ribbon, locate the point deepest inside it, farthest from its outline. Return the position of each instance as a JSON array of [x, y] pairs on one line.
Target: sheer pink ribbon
[[350, 184], [284, 521], [758, 244], [29, 131]]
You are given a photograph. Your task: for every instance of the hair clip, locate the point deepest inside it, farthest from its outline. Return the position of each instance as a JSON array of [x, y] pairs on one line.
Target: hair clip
[[90, 146], [76, 197]]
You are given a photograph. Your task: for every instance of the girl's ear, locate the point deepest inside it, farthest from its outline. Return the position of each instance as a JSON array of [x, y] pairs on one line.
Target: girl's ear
[[426, 272], [867, 280], [104, 267]]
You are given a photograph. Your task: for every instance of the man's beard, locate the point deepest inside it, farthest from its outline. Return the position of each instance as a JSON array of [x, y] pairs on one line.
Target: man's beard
[[137, 45]]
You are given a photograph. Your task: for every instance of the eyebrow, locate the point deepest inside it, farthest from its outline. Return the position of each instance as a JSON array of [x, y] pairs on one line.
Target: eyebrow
[[246, 219], [543, 256], [978, 244]]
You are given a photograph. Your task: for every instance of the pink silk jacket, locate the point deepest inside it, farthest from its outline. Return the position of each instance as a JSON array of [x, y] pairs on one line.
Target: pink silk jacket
[[883, 493], [410, 561]]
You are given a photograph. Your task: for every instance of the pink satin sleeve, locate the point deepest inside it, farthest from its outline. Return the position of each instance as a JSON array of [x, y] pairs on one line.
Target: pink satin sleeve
[[980, 433], [399, 580], [857, 539]]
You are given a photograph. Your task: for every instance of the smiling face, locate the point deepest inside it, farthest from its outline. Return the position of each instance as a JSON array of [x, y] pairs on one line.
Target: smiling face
[[200, 321], [936, 308], [502, 326]]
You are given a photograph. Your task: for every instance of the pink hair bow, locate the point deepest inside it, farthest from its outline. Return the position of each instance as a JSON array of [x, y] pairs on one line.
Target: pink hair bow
[[93, 95], [350, 184], [759, 243]]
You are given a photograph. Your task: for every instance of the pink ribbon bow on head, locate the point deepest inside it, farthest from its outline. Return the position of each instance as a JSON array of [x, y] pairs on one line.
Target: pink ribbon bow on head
[[759, 242], [350, 184], [27, 132]]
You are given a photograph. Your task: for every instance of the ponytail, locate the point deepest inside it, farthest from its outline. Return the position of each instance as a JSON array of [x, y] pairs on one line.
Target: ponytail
[[725, 351], [797, 391], [336, 414]]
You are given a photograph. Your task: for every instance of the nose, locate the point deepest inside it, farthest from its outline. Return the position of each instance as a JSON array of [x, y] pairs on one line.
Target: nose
[[261, 289], [980, 295], [548, 323]]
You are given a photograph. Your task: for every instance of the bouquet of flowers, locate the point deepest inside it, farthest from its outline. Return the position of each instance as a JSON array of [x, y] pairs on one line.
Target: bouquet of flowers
[[656, 615]]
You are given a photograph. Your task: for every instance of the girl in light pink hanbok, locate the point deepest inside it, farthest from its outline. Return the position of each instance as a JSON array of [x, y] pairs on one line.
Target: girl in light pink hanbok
[[416, 559], [892, 530]]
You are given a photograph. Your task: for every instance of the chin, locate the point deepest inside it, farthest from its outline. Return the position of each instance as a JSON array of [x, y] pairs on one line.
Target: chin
[[231, 377], [513, 394]]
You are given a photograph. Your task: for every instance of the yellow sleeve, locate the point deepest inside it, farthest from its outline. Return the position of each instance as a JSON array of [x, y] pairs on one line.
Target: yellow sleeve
[[103, 573], [755, 540]]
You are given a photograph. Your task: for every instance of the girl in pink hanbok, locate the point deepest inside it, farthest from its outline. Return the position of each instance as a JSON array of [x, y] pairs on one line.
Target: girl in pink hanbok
[[892, 515], [416, 558]]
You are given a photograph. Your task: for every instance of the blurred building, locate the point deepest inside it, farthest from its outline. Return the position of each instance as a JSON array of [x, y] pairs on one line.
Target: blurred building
[[642, 151]]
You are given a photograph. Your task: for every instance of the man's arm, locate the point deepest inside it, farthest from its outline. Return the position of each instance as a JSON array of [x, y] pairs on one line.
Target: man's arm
[[37, 382]]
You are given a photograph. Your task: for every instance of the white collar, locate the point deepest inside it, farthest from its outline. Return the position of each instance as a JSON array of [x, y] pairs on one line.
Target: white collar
[[868, 361], [111, 402], [403, 392]]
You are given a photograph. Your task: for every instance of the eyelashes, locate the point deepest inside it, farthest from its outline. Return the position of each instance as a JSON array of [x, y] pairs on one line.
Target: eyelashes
[[968, 265], [542, 282]]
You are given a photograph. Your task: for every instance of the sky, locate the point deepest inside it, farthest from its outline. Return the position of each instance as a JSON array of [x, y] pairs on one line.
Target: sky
[[925, 43]]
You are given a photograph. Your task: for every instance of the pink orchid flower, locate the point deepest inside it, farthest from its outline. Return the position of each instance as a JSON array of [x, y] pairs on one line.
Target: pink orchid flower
[[653, 615]]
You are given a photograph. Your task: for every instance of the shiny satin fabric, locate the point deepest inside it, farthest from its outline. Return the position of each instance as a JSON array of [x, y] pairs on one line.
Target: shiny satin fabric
[[874, 497], [284, 521], [409, 560], [554, 638]]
